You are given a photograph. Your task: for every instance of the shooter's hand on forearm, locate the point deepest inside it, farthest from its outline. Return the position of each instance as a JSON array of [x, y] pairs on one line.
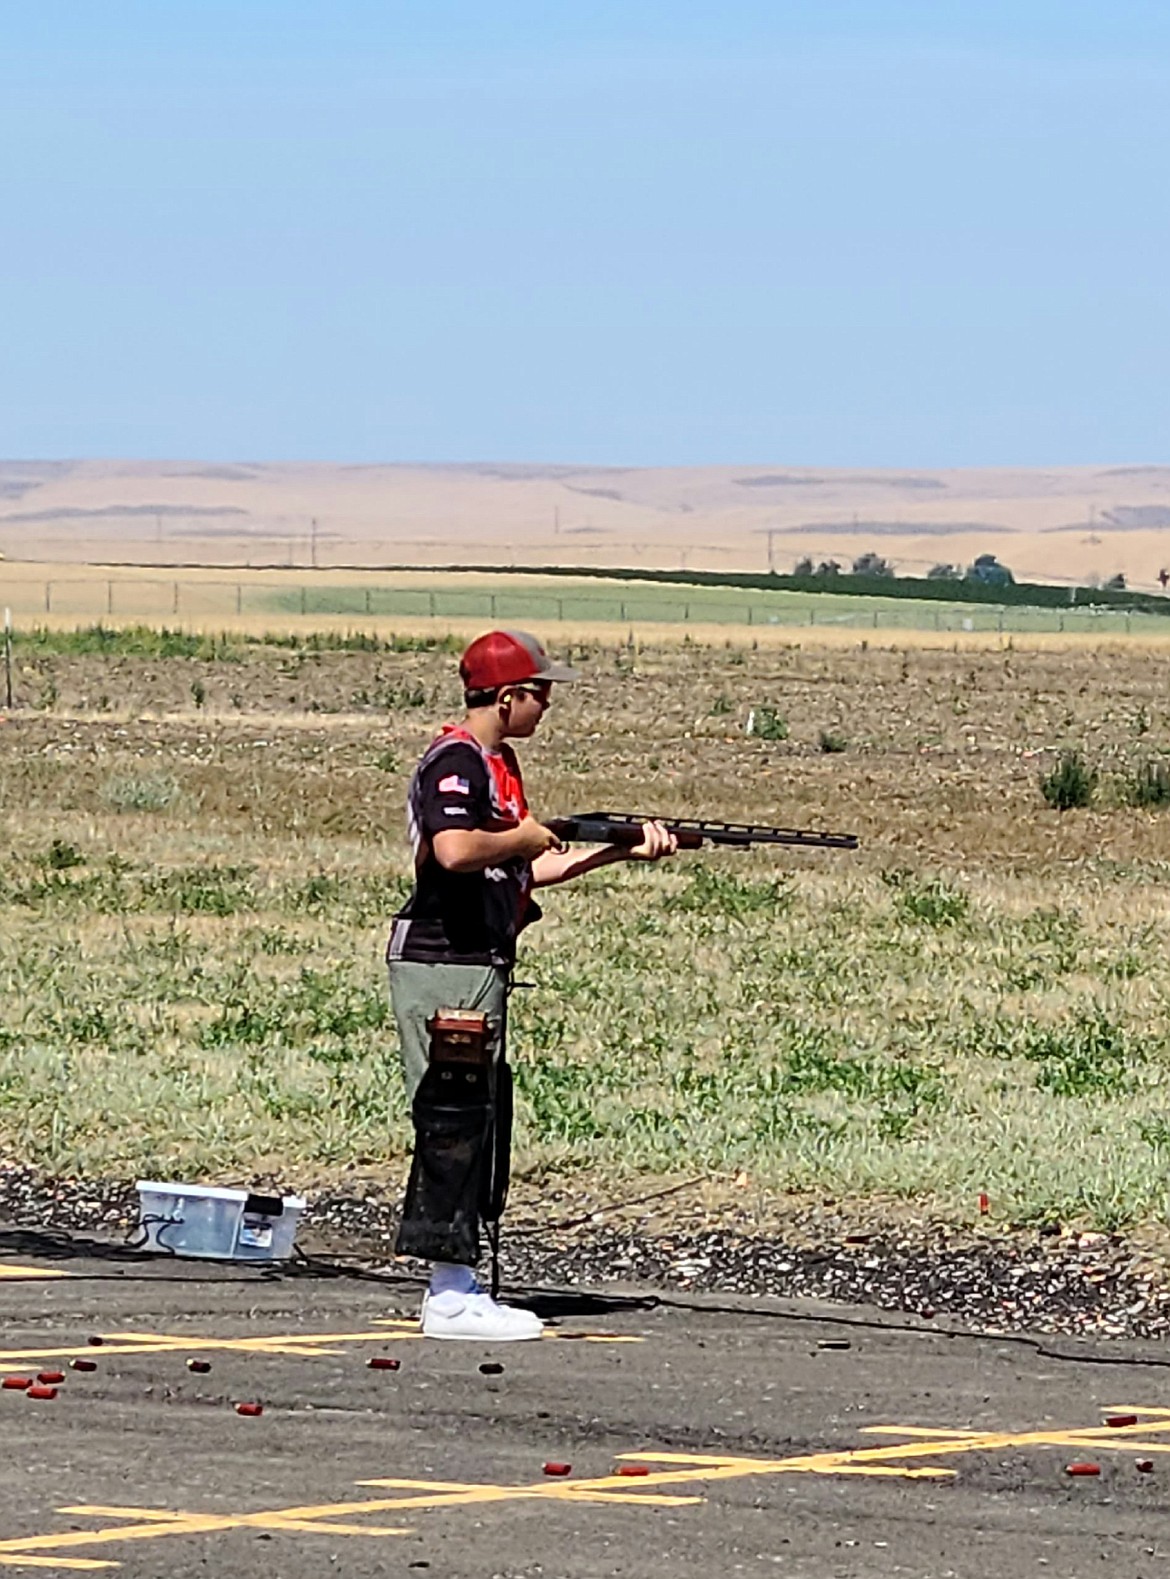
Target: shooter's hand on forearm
[[657, 842], [474, 849]]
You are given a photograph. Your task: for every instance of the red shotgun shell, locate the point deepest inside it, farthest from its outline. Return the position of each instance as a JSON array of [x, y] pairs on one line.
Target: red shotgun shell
[[1082, 1469], [200, 1367], [16, 1384], [1145, 1465], [984, 1204], [384, 1362], [41, 1392], [83, 1365], [250, 1409], [491, 1368], [1120, 1420], [94, 1341], [555, 1468], [50, 1378], [632, 1469]]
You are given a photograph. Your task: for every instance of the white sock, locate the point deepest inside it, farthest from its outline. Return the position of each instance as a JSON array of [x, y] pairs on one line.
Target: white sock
[[449, 1278]]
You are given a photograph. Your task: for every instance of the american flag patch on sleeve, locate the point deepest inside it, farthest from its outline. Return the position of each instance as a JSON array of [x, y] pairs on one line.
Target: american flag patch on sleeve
[[454, 785]]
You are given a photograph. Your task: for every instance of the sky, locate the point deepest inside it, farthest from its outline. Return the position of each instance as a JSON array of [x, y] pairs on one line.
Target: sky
[[810, 232]]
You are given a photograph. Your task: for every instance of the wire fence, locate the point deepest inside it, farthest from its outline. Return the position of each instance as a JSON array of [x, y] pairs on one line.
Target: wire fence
[[129, 598]]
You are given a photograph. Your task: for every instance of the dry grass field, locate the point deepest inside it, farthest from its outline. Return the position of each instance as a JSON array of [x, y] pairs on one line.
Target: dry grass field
[[203, 845], [1047, 523]]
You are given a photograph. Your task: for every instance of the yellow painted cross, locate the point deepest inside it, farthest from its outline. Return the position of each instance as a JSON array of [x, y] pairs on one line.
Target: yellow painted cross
[[301, 1345], [675, 1480]]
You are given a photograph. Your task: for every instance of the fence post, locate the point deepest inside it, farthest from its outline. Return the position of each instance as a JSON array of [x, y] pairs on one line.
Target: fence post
[[239, 597], [109, 597], [8, 657], [304, 600], [686, 613], [175, 608], [48, 597], [560, 608], [749, 614], [369, 601], [431, 602], [623, 613], [492, 606]]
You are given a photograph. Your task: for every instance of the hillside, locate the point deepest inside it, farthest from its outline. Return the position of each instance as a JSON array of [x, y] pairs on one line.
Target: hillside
[[1047, 524]]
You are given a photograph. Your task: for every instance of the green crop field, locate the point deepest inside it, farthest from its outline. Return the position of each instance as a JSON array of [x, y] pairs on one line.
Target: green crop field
[[463, 596], [204, 846], [260, 601]]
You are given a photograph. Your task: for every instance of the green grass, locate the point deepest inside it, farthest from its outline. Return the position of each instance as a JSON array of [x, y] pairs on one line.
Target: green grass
[[162, 642], [191, 967], [707, 1017]]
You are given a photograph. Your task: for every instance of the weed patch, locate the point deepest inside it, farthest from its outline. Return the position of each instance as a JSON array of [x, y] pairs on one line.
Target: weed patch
[[1072, 783], [140, 792]]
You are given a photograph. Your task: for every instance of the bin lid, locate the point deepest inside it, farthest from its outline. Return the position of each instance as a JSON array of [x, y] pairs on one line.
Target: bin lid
[[208, 1192]]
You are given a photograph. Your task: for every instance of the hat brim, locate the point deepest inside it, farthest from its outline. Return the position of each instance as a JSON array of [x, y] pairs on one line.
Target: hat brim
[[558, 671]]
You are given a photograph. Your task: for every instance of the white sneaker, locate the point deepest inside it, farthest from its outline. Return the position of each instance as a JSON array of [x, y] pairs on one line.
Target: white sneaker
[[471, 1316]]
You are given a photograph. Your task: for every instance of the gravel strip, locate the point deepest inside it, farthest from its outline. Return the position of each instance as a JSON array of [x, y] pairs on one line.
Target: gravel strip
[[1047, 1281]]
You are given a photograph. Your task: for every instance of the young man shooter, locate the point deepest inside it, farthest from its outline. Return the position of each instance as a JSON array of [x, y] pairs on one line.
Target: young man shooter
[[478, 854]]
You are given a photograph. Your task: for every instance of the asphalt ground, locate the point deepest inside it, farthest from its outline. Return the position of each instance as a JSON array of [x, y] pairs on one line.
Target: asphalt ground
[[758, 1449]]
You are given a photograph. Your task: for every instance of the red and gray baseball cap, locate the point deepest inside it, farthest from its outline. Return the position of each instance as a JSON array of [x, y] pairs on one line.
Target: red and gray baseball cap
[[506, 657]]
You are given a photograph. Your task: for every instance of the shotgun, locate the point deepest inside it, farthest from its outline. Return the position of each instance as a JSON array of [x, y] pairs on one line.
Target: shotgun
[[624, 827]]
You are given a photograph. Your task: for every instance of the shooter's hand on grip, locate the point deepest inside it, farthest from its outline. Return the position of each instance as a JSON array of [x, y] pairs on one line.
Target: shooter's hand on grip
[[475, 849], [532, 838]]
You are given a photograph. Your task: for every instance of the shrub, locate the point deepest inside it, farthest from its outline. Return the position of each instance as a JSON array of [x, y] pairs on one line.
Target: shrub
[[1071, 783], [767, 724], [831, 743], [1149, 784]]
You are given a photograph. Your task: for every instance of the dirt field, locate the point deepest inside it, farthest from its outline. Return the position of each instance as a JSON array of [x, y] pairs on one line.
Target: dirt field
[[206, 849]]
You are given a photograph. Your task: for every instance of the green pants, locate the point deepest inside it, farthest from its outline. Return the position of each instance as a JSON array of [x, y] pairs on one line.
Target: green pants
[[417, 991]]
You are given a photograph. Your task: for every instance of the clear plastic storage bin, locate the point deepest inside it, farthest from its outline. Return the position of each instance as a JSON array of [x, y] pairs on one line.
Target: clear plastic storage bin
[[222, 1224]]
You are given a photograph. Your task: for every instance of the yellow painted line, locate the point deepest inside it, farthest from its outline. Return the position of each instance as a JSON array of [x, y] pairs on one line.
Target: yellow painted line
[[919, 1430], [28, 1273], [410, 1326], [310, 1345], [101, 1510], [88, 1563], [458, 1493], [283, 1519]]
